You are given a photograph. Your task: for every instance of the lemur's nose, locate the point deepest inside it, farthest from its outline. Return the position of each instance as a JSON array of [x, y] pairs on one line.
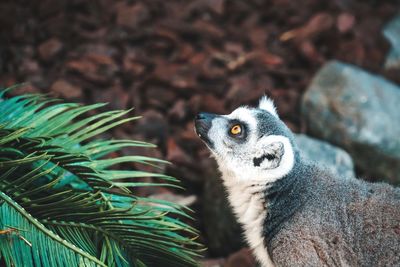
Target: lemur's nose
[[202, 124], [205, 116], [200, 116]]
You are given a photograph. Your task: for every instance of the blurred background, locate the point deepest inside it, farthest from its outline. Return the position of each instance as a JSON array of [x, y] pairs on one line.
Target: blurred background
[[171, 59]]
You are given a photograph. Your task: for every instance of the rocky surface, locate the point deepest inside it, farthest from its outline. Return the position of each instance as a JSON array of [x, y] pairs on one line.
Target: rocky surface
[[334, 158], [392, 33], [358, 111]]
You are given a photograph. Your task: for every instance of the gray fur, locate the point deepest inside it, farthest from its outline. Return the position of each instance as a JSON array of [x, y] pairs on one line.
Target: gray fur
[[312, 218], [315, 219]]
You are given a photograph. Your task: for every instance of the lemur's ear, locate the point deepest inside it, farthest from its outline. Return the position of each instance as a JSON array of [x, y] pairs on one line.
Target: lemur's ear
[[270, 155], [268, 105]]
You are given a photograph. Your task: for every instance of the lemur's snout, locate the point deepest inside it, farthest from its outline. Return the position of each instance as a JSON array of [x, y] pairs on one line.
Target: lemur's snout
[[202, 124], [205, 116]]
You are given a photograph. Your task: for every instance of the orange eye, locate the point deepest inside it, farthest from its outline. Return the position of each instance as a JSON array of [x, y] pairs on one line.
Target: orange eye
[[236, 129]]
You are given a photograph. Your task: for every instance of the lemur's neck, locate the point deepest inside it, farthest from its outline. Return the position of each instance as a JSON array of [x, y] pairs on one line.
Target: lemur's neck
[[284, 197], [247, 200], [262, 207]]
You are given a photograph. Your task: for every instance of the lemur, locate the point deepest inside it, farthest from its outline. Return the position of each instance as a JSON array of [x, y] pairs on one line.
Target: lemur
[[295, 212]]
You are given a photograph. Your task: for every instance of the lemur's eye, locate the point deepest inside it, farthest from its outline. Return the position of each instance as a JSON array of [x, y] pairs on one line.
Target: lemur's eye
[[236, 129]]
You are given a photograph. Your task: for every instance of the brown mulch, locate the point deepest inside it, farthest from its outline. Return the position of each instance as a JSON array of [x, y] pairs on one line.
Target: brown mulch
[[171, 59]]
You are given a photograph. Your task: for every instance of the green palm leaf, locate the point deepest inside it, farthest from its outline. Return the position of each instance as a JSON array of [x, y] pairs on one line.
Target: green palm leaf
[[42, 244], [61, 200]]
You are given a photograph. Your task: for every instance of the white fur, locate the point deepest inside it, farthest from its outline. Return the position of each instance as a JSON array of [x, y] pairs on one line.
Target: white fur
[[268, 105], [285, 166], [245, 182], [249, 208], [246, 185], [243, 114], [247, 172]]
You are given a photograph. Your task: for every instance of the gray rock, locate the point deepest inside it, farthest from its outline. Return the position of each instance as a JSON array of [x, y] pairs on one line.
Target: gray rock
[[392, 33], [335, 159], [359, 112]]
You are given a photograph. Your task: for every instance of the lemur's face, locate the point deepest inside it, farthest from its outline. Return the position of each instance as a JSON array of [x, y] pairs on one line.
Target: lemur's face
[[250, 143]]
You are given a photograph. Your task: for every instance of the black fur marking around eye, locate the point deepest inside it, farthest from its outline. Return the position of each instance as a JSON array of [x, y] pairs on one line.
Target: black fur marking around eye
[[257, 161], [239, 138]]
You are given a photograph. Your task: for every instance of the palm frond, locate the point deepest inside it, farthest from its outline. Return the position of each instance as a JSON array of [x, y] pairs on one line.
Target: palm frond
[[57, 181], [32, 244]]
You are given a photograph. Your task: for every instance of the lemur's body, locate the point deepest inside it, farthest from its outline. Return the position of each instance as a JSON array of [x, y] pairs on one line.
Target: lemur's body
[[293, 212]]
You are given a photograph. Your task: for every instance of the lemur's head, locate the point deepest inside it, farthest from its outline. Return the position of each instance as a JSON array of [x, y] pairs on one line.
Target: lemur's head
[[250, 143]]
